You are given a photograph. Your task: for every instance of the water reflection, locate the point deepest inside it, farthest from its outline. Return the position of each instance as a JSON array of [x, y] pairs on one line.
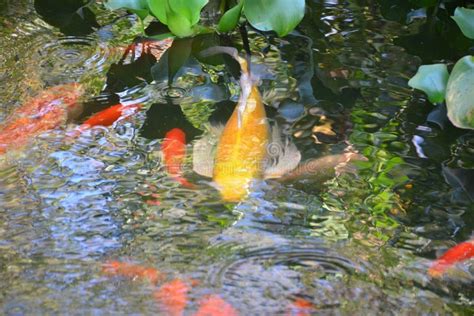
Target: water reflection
[[369, 236], [69, 58], [72, 17]]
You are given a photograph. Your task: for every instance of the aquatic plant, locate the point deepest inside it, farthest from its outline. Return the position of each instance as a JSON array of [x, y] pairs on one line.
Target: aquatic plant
[[439, 85], [182, 16]]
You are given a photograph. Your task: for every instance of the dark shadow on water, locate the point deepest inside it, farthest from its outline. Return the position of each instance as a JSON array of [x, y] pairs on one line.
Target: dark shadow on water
[[72, 17]]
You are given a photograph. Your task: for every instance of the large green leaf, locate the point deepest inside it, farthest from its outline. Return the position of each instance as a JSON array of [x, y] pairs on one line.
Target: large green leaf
[[181, 16], [230, 19], [281, 16], [432, 80], [179, 25], [465, 20], [139, 7], [460, 93], [159, 9], [189, 9]]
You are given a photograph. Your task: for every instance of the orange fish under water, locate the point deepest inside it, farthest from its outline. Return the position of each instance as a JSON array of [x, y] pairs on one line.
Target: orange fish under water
[[48, 110], [172, 297], [458, 253], [300, 307], [174, 154], [213, 305], [110, 115], [132, 271]]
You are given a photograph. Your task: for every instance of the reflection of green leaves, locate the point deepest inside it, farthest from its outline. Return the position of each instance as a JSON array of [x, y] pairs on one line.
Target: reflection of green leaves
[[465, 20], [460, 93], [432, 80], [179, 53], [231, 18], [139, 7], [274, 15]]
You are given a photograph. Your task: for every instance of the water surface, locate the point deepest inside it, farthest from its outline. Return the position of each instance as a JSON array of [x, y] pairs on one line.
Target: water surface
[[357, 243]]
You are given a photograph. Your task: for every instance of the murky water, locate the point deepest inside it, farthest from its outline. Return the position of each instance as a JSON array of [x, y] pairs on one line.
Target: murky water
[[356, 243]]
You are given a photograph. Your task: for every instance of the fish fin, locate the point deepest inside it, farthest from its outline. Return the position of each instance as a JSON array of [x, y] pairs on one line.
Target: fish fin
[[246, 79], [282, 155], [204, 151], [216, 130], [232, 51]]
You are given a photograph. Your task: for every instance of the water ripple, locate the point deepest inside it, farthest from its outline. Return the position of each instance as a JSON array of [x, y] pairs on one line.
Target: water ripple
[[68, 58]]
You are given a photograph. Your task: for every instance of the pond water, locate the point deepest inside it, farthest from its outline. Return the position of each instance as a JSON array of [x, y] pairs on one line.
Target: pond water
[[358, 242]]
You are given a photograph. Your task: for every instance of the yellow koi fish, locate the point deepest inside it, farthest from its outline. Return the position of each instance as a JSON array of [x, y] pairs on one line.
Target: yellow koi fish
[[244, 150]]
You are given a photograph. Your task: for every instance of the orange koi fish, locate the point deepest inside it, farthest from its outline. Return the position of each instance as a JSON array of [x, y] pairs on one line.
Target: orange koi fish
[[108, 116], [458, 253], [300, 307], [48, 110], [213, 305], [132, 271], [172, 297], [174, 153], [243, 151]]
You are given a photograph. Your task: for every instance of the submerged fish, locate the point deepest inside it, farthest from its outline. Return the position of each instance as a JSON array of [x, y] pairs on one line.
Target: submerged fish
[[174, 154], [300, 307], [110, 115], [172, 297], [48, 110], [323, 168], [132, 271], [248, 148], [213, 305], [458, 253]]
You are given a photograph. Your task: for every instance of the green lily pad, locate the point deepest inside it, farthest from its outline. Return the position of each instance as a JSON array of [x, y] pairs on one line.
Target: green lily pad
[[230, 19], [432, 80], [465, 20], [460, 93], [281, 16], [139, 7]]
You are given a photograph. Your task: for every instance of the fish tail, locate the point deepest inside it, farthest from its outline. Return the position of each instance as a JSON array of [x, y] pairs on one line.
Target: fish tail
[[231, 51], [246, 80]]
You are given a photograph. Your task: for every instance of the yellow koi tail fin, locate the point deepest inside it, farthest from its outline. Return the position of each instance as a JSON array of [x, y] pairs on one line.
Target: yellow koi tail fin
[[231, 51]]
